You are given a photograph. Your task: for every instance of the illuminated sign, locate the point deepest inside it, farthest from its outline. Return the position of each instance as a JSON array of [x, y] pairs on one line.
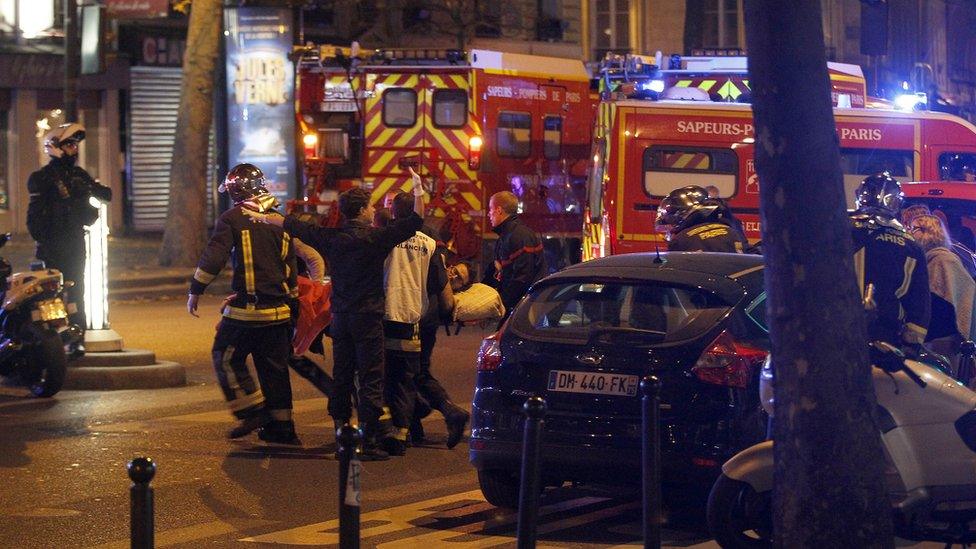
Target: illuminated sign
[[261, 94]]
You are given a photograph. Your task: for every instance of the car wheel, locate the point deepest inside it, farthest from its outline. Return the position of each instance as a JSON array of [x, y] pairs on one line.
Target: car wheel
[[738, 516], [48, 364], [500, 487]]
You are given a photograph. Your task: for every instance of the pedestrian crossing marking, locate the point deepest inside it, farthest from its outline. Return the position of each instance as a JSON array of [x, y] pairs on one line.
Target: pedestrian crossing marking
[[422, 515]]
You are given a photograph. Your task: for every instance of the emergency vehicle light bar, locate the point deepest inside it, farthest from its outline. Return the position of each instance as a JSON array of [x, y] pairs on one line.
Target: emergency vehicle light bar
[[418, 56]]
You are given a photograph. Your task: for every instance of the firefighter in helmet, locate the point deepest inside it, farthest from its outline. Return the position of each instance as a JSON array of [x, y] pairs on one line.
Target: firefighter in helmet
[[257, 319], [887, 259], [60, 209], [694, 222]]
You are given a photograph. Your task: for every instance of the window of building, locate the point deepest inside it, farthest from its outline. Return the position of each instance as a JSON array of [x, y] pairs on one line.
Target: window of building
[[552, 136], [514, 134], [957, 166], [399, 107], [668, 168], [611, 27], [721, 24], [450, 108], [856, 164]]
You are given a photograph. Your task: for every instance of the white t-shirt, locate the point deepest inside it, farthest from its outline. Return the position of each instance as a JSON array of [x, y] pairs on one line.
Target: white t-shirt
[[405, 279]]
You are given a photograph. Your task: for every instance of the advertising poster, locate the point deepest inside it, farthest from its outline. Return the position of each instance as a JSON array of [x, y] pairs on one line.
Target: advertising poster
[[260, 94]]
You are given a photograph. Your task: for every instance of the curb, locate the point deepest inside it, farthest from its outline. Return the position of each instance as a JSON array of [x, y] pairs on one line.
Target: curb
[[156, 376]]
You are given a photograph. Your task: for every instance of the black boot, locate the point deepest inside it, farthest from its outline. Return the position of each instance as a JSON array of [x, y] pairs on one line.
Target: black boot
[[395, 442], [456, 419], [417, 435], [280, 432], [249, 424]]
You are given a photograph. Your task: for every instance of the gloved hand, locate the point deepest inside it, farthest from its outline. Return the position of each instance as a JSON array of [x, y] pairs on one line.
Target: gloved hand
[[418, 184]]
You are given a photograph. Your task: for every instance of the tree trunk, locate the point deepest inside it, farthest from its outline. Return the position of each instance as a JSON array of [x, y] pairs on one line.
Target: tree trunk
[[829, 489], [186, 232]]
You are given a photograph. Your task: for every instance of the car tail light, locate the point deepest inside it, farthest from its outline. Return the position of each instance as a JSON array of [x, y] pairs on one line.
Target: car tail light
[[490, 354], [728, 362], [475, 142]]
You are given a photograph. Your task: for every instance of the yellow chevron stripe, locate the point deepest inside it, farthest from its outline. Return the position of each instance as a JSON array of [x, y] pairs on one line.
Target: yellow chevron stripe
[[472, 199], [460, 81], [706, 85], [447, 145], [382, 162], [381, 187], [372, 122], [382, 140]]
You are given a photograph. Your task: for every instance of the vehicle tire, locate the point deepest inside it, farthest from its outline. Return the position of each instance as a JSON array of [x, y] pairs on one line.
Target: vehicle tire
[[500, 487], [47, 364], [738, 517]]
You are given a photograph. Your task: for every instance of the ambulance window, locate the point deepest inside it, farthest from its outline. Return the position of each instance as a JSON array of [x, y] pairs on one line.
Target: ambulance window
[[450, 108], [399, 107], [957, 166], [514, 134], [856, 164], [667, 168], [553, 136]]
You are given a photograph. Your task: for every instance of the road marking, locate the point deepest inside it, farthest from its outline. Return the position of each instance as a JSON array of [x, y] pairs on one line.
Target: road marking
[[404, 518], [187, 534]]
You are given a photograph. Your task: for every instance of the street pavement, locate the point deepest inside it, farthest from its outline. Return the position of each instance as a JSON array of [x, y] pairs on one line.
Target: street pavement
[[62, 465]]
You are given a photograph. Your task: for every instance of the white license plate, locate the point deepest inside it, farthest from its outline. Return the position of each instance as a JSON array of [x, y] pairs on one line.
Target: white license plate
[[53, 309], [592, 383]]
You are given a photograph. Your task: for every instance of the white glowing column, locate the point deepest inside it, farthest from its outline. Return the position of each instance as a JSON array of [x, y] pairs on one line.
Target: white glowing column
[[96, 270]]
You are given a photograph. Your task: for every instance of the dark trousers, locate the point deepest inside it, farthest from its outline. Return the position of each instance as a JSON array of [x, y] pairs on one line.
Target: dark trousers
[[357, 348], [400, 391], [427, 385], [269, 347], [69, 258]]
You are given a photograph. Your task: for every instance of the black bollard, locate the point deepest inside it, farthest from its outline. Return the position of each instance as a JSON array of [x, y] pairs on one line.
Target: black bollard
[[528, 511], [967, 363], [349, 438], [651, 460], [141, 471]]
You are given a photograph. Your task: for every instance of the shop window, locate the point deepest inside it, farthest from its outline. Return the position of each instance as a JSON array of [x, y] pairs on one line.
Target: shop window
[[450, 108], [552, 136], [957, 166], [514, 134], [856, 164], [399, 107], [668, 168]]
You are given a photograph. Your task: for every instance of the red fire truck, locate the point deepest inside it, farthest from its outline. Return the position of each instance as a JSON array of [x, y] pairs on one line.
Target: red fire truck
[[659, 130], [471, 123]]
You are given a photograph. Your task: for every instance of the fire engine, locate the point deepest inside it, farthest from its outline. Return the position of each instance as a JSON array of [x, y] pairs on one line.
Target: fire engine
[[471, 123], [690, 124]]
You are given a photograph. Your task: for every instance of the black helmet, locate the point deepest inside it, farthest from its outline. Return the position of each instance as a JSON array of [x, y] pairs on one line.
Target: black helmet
[[683, 207], [72, 132], [244, 182], [879, 194]]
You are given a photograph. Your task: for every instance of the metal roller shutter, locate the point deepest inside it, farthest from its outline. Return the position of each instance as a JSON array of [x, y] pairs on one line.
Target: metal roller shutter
[[154, 101]]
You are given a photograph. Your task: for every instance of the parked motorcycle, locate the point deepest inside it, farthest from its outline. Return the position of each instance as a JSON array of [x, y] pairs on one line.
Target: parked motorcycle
[[35, 334], [928, 429]]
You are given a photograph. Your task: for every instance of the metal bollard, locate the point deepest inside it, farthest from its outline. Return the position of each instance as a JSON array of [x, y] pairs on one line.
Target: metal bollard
[[349, 438], [141, 471], [651, 460], [528, 511]]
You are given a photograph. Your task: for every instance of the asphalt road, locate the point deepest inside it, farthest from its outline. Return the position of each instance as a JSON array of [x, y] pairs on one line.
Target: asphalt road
[[62, 466]]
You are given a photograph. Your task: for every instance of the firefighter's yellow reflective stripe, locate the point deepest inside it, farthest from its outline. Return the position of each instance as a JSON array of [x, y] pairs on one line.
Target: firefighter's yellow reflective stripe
[[859, 271], [285, 240], [280, 415], [906, 281], [246, 401], [247, 252], [386, 415], [233, 383], [250, 314], [203, 277]]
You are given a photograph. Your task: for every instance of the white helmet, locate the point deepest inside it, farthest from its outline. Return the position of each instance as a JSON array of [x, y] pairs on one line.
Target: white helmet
[[71, 132]]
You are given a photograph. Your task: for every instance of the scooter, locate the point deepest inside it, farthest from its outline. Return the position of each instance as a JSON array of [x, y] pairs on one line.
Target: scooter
[[928, 429], [36, 337]]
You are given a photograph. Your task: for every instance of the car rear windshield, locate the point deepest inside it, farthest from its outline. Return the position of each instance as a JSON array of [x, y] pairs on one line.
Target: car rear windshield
[[653, 313]]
